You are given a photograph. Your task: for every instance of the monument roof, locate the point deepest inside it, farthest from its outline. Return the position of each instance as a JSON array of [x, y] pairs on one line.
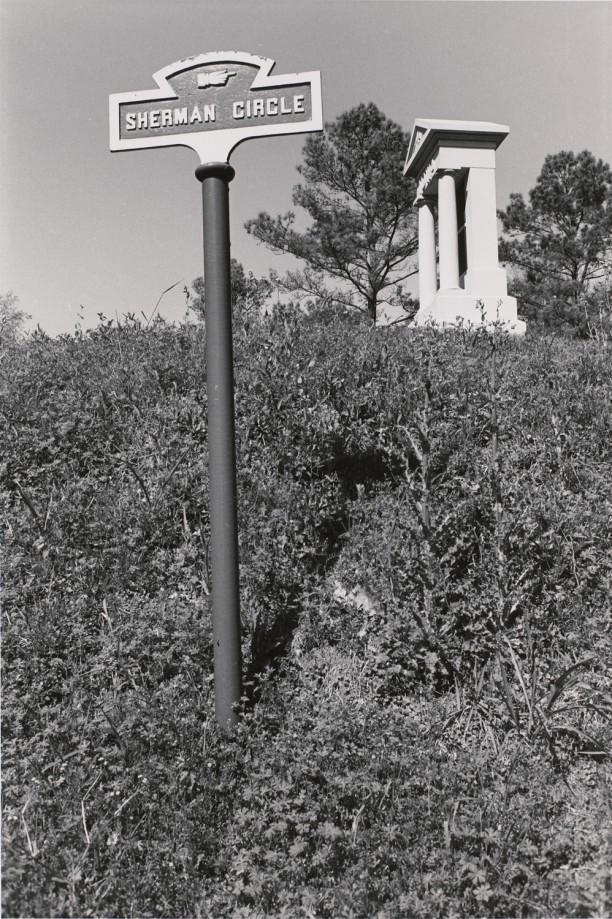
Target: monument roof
[[430, 133]]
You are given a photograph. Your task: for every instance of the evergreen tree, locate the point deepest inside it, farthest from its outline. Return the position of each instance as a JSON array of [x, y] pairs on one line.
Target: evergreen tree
[[561, 242], [363, 232]]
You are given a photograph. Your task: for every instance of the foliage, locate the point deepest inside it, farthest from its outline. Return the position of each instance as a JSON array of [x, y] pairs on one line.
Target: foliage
[[11, 318], [363, 231], [248, 292], [425, 528], [560, 244]]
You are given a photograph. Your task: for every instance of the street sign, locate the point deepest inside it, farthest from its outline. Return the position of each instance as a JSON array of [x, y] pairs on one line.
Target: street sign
[[213, 102]]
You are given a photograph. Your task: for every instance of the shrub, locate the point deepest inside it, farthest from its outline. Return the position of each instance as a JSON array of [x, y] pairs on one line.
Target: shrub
[[425, 562]]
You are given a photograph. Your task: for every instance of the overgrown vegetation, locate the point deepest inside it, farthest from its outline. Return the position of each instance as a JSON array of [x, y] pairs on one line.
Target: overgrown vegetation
[[426, 536]]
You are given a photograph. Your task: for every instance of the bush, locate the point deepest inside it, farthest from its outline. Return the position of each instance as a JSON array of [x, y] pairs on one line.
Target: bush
[[425, 562]]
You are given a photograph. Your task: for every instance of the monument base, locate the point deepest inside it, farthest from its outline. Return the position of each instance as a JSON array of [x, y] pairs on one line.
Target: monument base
[[453, 309]]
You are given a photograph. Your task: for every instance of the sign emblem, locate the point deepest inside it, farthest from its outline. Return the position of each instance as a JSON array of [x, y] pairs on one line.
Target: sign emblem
[[212, 103], [218, 78]]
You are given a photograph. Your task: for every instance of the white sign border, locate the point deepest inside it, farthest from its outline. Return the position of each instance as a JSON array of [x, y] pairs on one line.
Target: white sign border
[[216, 146]]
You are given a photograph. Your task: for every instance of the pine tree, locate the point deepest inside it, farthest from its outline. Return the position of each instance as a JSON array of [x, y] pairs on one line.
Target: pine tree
[[363, 232], [561, 242]]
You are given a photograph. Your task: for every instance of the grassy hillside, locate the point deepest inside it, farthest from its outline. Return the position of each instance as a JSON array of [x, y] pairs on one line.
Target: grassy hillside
[[426, 536]]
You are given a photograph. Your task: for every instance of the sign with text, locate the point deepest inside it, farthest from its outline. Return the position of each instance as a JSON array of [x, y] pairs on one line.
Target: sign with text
[[213, 102]]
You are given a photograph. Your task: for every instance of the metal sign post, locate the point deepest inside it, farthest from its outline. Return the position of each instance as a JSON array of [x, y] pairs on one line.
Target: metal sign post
[[212, 103], [215, 179]]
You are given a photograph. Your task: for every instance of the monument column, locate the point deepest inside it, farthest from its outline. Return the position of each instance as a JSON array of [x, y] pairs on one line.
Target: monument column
[[484, 277], [428, 282], [447, 230]]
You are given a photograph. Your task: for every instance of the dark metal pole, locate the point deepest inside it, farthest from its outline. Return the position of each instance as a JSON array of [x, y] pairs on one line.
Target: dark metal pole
[[215, 179]]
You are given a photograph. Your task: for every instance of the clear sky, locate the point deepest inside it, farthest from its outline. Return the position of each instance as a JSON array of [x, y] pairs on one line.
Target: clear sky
[[108, 232]]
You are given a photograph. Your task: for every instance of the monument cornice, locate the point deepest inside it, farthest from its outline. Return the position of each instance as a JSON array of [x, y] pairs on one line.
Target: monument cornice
[[430, 134]]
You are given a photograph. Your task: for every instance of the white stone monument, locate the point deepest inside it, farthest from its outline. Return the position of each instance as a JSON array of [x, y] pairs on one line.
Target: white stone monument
[[453, 163]]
